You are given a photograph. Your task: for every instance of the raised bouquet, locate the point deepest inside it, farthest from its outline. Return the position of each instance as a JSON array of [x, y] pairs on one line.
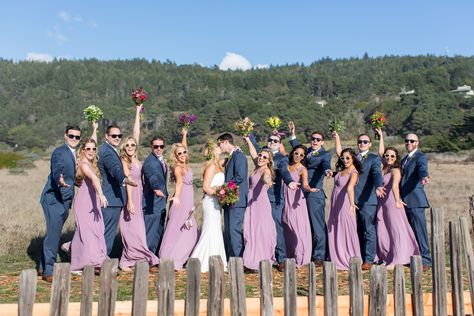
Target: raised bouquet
[[244, 126], [187, 120], [93, 113], [138, 97], [378, 120], [274, 122], [336, 125], [228, 193]]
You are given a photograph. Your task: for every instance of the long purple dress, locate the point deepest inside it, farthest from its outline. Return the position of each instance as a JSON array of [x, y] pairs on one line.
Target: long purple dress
[[259, 228], [178, 240], [88, 244], [296, 226], [342, 225], [396, 242], [132, 227]]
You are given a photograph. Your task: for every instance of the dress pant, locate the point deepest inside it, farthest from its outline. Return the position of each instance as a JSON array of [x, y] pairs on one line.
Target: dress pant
[[154, 226], [233, 235], [111, 215], [417, 219], [319, 231], [277, 212], [367, 230]]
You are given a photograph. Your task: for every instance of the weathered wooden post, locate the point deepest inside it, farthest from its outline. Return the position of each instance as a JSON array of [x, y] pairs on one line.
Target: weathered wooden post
[[469, 256], [87, 295], [108, 287], [193, 287], [438, 262], [238, 305], [378, 291], [330, 288], [166, 288], [289, 287], [26, 298], [266, 288], [140, 289], [60, 289], [399, 290], [456, 268], [215, 301], [416, 274], [356, 287], [311, 289]]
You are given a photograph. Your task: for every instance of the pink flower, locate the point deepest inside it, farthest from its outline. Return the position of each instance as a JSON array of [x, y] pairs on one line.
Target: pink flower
[[222, 192], [231, 185]]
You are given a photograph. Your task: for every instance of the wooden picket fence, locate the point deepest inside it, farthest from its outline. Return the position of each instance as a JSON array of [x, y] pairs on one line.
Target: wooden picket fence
[[459, 239]]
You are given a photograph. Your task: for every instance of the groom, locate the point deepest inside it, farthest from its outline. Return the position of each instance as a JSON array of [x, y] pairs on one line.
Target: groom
[[235, 170]]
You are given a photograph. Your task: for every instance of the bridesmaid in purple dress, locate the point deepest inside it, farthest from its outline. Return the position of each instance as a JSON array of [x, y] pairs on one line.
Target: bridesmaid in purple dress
[[88, 244], [132, 225], [260, 237], [181, 235], [296, 226], [396, 240], [342, 222]]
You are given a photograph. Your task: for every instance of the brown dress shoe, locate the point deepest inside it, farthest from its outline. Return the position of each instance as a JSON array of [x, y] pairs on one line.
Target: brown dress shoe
[[47, 278], [154, 269], [426, 267], [280, 267], [318, 262], [366, 266]]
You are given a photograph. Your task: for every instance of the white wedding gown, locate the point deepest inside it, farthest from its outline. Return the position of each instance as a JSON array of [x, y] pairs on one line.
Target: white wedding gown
[[211, 241]]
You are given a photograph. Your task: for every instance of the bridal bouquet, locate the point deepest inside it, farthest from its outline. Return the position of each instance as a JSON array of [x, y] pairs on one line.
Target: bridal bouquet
[[336, 125], [228, 193], [93, 113], [187, 120], [138, 97], [378, 120], [274, 122], [244, 126]]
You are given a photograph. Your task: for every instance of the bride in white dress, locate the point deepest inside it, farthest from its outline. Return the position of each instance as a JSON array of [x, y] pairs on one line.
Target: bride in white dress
[[211, 241]]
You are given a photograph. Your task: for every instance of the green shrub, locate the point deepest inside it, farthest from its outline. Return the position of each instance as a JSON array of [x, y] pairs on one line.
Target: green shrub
[[9, 159]]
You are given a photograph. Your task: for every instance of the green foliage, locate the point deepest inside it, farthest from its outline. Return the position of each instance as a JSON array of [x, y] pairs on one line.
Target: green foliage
[[39, 99], [9, 159]]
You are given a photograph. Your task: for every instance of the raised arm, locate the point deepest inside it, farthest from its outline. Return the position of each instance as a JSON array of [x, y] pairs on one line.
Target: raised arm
[[396, 177], [95, 126], [87, 170], [381, 142], [130, 206], [350, 192], [184, 138], [338, 144], [252, 150], [136, 124], [293, 141]]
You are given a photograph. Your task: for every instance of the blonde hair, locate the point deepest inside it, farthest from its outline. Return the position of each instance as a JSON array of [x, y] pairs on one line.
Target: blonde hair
[[270, 161], [174, 158], [81, 156], [123, 153]]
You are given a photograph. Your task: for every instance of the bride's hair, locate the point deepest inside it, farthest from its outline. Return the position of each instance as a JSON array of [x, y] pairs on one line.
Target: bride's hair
[[212, 157]]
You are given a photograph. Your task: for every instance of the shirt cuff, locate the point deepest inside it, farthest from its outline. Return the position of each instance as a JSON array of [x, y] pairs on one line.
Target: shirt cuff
[[292, 137]]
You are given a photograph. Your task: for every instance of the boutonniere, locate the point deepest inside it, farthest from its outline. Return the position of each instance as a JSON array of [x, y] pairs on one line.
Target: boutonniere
[[313, 153], [365, 156]]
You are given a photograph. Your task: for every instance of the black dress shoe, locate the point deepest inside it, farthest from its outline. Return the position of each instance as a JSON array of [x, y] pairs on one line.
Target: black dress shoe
[[248, 271]]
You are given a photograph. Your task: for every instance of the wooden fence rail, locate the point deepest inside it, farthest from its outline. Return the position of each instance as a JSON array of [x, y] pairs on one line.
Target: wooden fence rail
[[377, 303]]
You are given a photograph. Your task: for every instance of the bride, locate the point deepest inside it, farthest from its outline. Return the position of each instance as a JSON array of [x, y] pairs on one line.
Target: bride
[[211, 242]]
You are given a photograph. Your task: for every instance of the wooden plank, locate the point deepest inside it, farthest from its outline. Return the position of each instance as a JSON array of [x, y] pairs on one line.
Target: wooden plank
[[289, 287], [456, 268], [87, 295], [266, 288], [330, 288], [193, 287], [237, 287], [439, 262], [140, 288], [108, 287], [416, 275], [60, 289], [399, 290], [215, 303], [468, 256], [311, 289], [378, 291], [26, 298], [166, 288], [356, 287]]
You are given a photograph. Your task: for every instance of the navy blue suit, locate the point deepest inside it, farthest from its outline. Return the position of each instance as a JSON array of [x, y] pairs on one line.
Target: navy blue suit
[[112, 176], [413, 194], [276, 196], [154, 207], [366, 199], [318, 163], [236, 170], [56, 202]]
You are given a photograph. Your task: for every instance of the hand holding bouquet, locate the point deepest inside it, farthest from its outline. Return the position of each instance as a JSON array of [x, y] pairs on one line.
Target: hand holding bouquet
[[244, 127], [228, 193], [336, 125], [187, 120], [93, 113], [274, 122], [378, 121]]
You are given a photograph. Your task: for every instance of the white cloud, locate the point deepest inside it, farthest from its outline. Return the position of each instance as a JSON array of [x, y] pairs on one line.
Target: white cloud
[[56, 34], [66, 17], [233, 61], [261, 66], [93, 24], [39, 57]]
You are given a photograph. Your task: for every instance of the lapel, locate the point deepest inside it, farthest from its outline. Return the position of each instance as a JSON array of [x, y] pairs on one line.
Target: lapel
[[163, 170], [71, 156], [113, 149]]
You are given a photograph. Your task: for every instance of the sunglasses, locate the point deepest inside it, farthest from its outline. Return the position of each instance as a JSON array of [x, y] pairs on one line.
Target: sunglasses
[[158, 146], [182, 153], [410, 141], [318, 139], [116, 136], [298, 154], [130, 145], [76, 137], [262, 156], [273, 140], [90, 148], [363, 141], [390, 156], [345, 158]]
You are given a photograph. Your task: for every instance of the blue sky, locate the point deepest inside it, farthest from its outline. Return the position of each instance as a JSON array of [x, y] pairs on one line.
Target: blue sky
[[260, 32]]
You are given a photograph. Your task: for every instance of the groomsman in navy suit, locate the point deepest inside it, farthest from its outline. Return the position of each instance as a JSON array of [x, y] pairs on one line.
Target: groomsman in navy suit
[[113, 183], [370, 186], [414, 177], [155, 194], [57, 197], [236, 170], [276, 192], [319, 166]]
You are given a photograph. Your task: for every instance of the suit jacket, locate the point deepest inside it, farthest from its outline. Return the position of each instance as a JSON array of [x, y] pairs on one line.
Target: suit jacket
[[62, 162], [317, 166], [154, 178], [112, 175], [236, 170], [280, 165], [411, 189], [369, 180]]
